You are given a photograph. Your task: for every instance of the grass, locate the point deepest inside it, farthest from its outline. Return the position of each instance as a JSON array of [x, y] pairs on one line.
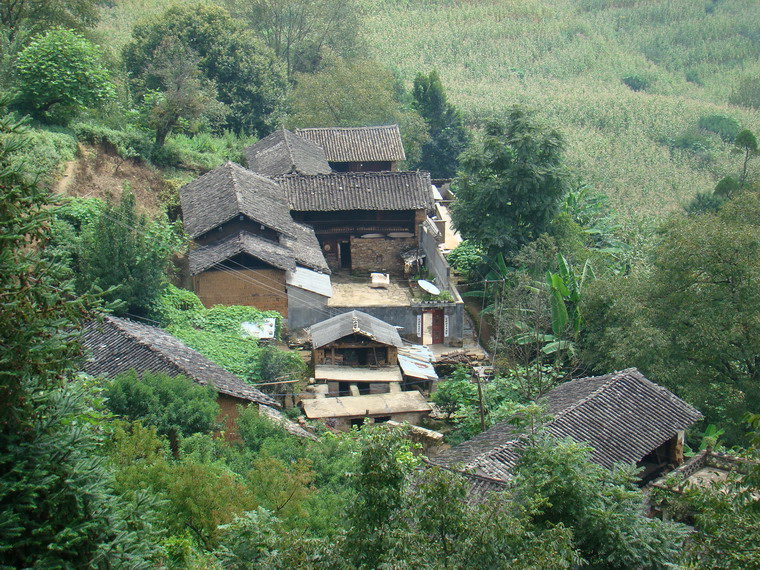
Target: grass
[[567, 59]]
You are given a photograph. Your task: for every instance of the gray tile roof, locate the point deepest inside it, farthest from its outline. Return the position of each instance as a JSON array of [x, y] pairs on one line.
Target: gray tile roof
[[358, 144], [118, 345], [358, 191], [622, 416], [285, 255], [283, 152], [228, 191], [345, 324]]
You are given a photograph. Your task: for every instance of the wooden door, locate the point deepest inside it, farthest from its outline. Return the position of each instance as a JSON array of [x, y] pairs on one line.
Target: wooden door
[[438, 326]]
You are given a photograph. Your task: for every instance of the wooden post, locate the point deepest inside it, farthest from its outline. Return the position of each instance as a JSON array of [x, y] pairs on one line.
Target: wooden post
[[480, 404]]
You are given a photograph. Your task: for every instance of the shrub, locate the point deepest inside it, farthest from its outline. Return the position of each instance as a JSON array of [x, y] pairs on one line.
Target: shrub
[[722, 125], [466, 259], [636, 82], [129, 142]]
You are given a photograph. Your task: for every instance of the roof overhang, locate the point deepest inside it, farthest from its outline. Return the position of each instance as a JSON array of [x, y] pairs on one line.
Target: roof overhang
[[350, 374]]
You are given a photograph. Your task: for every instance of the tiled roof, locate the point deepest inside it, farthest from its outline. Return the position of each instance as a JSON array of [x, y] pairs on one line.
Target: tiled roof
[[352, 322], [228, 191], [358, 191], [283, 152], [118, 345], [358, 144], [622, 416], [284, 255]]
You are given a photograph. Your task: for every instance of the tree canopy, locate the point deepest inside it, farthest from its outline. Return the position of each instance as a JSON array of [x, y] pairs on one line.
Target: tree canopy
[[511, 183], [448, 136], [59, 74], [249, 78]]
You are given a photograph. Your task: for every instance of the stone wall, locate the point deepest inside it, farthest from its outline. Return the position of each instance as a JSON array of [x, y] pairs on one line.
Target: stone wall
[[382, 255], [260, 288]]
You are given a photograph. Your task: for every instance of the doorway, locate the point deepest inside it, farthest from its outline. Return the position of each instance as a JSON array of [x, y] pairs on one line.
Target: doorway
[[345, 254], [432, 326]]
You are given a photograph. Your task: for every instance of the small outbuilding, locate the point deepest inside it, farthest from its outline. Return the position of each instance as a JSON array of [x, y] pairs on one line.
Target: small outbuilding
[[355, 338], [623, 417]]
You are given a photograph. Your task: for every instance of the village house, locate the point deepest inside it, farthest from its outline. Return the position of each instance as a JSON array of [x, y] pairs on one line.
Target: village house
[[357, 373], [115, 345], [623, 417], [248, 249], [303, 239]]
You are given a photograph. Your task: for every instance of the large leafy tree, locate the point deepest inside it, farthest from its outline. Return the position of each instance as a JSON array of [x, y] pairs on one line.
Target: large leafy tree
[[61, 73], [690, 321], [248, 76], [448, 135], [300, 31], [511, 183], [344, 94], [56, 505]]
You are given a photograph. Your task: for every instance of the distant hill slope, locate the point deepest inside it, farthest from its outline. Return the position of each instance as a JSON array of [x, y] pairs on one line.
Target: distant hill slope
[[567, 59]]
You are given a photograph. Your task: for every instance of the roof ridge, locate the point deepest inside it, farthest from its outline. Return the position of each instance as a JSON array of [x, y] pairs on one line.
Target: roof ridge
[[286, 137], [614, 376], [392, 125], [235, 186]]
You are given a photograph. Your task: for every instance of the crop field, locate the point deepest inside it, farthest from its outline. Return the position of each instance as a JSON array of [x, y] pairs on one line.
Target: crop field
[[568, 60]]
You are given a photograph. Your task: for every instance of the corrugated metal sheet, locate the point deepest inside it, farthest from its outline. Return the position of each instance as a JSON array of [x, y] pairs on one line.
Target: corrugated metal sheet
[[417, 368], [309, 280]]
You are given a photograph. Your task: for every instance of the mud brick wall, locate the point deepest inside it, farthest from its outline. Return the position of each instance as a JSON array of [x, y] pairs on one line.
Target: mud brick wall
[[260, 288], [379, 254]]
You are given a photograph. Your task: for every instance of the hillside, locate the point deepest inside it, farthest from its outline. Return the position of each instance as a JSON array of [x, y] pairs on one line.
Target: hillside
[[567, 58]]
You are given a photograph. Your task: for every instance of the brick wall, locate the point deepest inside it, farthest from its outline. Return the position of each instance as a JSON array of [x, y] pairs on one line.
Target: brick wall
[[260, 288], [379, 254]]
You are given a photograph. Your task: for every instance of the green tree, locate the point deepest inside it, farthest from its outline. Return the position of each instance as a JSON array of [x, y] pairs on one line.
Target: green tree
[[510, 185], [604, 509], [448, 136], [56, 504], [384, 466], [127, 256], [690, 320], [745, 143], [59, 74], [343, 94], [33, 16], [175, 406], [300, 31], [184, 98], [249, 78], [746, 93]]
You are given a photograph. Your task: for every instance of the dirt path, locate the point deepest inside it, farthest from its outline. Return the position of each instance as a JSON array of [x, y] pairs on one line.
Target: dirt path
[[62, 184]]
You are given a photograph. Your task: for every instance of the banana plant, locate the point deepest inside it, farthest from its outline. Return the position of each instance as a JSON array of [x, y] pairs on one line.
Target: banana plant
[[565, 289]]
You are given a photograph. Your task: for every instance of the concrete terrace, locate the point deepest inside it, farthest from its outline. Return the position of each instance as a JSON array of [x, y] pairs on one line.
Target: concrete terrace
[[355, 291]]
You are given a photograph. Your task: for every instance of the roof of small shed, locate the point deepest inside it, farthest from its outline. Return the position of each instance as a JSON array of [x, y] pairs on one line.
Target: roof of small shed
[[118, 345], [358, 144], [354, 322]]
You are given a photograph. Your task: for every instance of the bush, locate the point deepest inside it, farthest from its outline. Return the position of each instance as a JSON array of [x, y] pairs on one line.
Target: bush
[[637, 82], [466, 259], [129, 142], [47, 150], [722, 125], [174, 406]]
